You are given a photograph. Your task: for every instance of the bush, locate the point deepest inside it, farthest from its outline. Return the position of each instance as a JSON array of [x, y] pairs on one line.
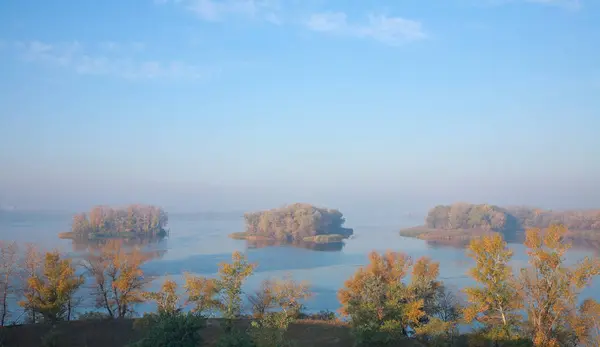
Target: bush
[[170, 330], [323, 315], [92, 315], [235, 338]]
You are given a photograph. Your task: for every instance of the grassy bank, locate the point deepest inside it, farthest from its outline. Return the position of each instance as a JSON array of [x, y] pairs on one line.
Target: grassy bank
[[429, 234], [119, 333], [318, 239]]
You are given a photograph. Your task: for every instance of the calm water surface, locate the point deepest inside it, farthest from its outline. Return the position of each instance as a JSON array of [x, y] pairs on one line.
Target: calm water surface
[[197, 244]]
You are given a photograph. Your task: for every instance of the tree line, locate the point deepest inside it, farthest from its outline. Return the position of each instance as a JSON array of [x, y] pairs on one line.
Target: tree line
[[296, 222], [392, 298], [500, 219], [144, 220]]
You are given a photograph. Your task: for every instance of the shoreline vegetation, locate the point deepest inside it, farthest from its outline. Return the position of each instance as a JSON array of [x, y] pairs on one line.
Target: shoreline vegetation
[[104, 222], [295, 224], [392, 300], [463, 222]]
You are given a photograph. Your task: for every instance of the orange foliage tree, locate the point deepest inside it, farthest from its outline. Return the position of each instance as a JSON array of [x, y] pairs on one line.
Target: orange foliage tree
[[118, 279], [381, 306], [551, 289], [231, 278], [495, 302], [167, 300], [51, 293], [201, 293]]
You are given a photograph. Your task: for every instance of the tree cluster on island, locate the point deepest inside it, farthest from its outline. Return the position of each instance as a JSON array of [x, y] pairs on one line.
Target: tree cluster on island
[[132, 220], [392, 300], [463, 220], [296, 223]]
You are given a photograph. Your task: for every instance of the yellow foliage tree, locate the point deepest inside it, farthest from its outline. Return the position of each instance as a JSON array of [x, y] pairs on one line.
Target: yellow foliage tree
[[231, 278], [167, 300], [495, 302], [551, 289], [381, 306], [119, 280], [201, 292], [51, 294]]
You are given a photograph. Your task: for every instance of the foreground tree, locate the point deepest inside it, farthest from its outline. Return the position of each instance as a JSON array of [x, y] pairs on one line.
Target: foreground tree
[[167, 300], [30, 268], [588, 327], [383, 309], [551, 289], [118, 279], [8, 272], [51, 294], [495, 302], [284, 298], [231, 278], [201, 293]]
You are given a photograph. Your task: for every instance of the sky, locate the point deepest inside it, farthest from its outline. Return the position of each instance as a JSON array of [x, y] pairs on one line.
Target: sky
[[219, 105]]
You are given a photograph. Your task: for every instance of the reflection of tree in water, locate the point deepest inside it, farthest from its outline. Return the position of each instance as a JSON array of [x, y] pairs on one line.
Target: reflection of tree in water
[[324, 247], [146, 243]]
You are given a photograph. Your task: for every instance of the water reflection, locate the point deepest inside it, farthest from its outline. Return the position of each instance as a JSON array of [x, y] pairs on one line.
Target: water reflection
[[323, 247], [153, 247]]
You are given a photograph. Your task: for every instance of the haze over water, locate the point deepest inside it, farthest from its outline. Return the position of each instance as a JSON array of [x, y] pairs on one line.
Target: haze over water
[[198, 243]]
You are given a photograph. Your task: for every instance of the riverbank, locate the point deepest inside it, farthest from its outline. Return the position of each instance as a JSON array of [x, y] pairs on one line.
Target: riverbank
[[119, 333], [317, 239]]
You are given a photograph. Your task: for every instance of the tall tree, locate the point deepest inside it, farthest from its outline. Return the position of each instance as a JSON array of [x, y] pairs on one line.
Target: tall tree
[[52, 293], [30, 267], [118, 279], [201, 293], [495, 302], [8, 272], [551, 288], [167, 300], [231, 278]]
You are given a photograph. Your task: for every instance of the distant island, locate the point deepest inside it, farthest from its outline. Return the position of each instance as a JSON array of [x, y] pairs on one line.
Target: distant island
[[463, 221], [126, 222], [296, 223]]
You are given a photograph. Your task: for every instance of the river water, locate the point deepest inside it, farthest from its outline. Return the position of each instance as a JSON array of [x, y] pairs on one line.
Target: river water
[[198, 243]]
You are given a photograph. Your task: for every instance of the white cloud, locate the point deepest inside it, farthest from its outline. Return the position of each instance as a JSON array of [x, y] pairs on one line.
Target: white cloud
[[111, 59], [388, 30], [218, 10]]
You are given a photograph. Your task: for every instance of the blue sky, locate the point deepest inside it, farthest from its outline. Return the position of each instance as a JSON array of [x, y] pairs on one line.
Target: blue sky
[[235, 104]]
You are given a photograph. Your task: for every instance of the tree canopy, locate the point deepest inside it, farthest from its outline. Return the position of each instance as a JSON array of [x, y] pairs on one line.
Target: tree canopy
[[144, 220], [296, 222]]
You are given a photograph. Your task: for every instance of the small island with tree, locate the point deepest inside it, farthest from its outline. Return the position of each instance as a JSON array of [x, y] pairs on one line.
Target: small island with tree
[[296, 223], [463, 222], [127, 222]]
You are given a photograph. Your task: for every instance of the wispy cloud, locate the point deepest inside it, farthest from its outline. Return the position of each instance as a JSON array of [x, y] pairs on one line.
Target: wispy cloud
[[388, 30], [218, 10], [108, 59]]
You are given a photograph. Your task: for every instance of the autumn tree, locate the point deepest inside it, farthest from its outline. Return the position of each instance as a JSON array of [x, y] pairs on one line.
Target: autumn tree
[[588, 323], [118, 279], [31, 266], [382, 307], [284, 298], [495, 302], [167, 300], [551, 289], [231, 278], [52, 293], [8, 272], [201, 293]]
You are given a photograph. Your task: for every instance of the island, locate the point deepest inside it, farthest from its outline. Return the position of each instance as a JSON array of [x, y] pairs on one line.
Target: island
[[296, 223], [463, 222], [133, 221]]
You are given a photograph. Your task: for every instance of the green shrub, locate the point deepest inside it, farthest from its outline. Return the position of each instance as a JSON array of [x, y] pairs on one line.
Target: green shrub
[[170, 330], [93, 315], [235, 338]]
